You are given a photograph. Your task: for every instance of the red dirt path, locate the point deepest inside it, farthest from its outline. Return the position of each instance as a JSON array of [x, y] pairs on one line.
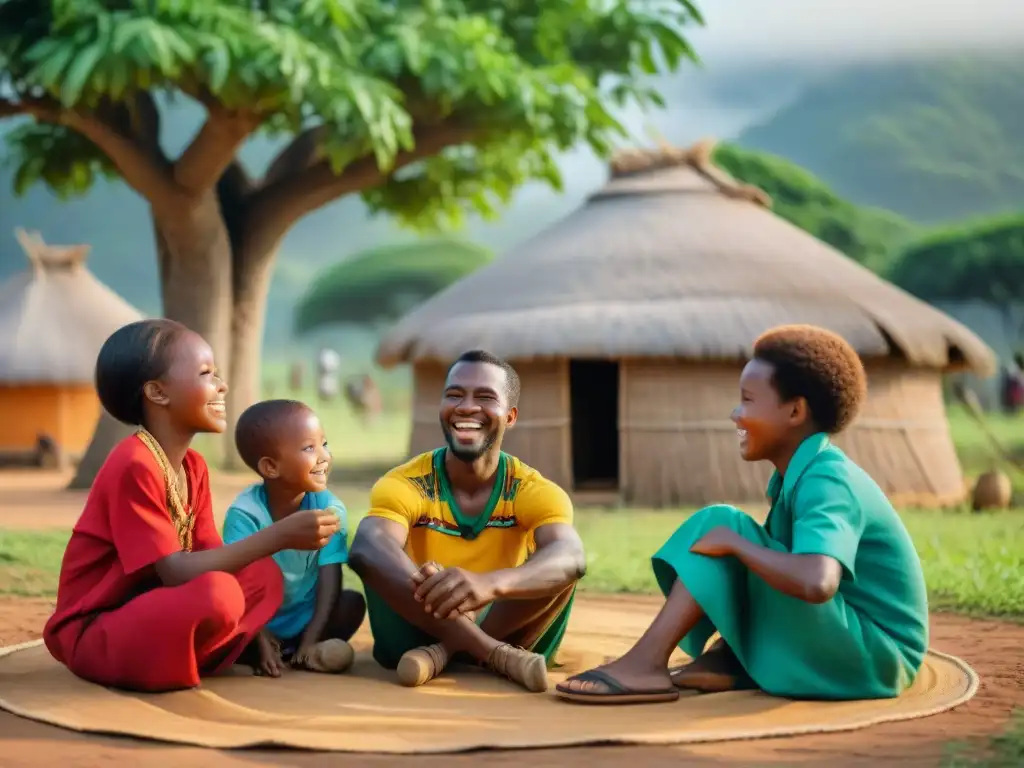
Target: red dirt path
[[994, 649]]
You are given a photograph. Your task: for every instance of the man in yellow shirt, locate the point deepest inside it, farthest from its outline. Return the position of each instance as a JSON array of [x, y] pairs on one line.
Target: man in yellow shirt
[[466, 550]]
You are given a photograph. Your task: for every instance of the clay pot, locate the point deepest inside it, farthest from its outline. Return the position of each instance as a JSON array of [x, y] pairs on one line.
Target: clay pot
[[991, 491]]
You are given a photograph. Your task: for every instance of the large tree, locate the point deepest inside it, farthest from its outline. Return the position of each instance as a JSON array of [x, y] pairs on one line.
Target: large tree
[[429, 109]]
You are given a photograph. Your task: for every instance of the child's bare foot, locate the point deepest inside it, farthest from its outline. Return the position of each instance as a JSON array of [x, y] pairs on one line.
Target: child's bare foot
[[624, 681], [332, 656], [715, 671]]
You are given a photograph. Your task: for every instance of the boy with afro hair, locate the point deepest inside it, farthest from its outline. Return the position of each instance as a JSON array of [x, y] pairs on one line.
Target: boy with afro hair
[[827, 599], [283, 442]]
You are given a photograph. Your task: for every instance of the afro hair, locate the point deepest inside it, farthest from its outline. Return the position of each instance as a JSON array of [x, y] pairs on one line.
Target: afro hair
[[258, 428], [819, 366]]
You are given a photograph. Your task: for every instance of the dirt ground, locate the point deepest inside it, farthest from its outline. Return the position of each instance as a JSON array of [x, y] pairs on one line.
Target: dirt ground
[[994, 649]]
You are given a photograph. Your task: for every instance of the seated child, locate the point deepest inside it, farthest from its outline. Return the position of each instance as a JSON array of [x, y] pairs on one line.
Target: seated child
[[827, 599], [149, 597], [283, 442]]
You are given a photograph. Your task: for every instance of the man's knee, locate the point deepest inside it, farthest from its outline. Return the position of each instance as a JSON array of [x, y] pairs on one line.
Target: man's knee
[[718, 515]]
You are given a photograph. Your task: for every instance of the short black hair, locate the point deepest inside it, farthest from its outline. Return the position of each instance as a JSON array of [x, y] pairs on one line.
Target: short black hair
[[257, 430], [512, 386], [131, 356], [819, 366]]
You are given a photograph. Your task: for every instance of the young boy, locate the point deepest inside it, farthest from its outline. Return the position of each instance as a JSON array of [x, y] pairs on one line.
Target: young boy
[[827, 599], [283, 441]]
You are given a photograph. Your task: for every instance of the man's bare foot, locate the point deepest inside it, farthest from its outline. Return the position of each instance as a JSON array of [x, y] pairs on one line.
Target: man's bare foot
[[715, 671], [624, 681]]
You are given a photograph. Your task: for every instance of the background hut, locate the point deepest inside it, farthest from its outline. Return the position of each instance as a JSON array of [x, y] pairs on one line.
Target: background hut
[[630, 320], [54, 317]]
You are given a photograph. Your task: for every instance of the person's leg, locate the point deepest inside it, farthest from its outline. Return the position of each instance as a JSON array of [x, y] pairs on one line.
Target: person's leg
[[537, 624], [643, 670], [165, 639], [715, 671], [347, 616]]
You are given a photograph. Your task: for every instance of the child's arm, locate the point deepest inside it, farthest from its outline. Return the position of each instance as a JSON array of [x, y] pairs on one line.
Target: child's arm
[[811, 578]]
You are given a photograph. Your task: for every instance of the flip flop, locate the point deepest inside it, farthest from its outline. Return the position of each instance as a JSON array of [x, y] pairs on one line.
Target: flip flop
[[617, 692]]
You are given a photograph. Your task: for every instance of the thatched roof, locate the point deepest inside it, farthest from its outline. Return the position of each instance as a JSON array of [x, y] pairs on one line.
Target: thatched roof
[[673, 258], [55, 316]]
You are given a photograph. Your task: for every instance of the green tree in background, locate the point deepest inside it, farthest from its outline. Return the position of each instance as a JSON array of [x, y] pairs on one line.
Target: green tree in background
[[429, 109], [981, 261], [868, 235], [381, 284]]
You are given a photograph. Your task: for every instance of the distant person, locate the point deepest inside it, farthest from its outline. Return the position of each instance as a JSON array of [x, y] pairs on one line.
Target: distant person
[[149, 597], [827, 599], [466, 550], [364, 397], [283, 442]]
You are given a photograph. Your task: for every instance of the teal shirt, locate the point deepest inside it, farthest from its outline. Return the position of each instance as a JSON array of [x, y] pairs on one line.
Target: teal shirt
[[300, 570], [827, 505]]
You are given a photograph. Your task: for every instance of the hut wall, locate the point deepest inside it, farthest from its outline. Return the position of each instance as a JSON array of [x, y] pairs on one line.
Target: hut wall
[[67, 414], [679, 447], [541, 437]]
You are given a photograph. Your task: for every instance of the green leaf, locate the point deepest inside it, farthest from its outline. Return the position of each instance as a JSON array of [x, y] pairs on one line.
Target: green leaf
[[79, 72]]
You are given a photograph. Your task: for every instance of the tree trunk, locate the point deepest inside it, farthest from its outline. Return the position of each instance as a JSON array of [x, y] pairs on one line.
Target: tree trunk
[[253, 267], [194, 259]]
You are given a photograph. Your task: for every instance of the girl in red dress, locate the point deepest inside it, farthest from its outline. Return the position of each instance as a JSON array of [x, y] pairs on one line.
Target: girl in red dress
[[149, 596]]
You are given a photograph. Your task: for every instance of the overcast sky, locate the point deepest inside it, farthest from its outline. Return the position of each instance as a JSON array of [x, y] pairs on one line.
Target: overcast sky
[[848, 30]]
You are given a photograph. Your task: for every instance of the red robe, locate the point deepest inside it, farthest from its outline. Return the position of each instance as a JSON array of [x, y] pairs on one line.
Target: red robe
[[115, 623]]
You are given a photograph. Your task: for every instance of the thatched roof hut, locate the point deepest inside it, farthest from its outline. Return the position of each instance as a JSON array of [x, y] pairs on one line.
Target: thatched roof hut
[[54, 317], [630, 319]]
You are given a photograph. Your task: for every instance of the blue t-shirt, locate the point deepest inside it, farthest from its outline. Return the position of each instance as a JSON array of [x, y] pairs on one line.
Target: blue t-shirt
[[249, 513]]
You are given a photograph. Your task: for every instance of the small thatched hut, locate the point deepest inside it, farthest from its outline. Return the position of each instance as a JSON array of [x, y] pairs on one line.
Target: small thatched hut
[[54, 317], [631, 319]]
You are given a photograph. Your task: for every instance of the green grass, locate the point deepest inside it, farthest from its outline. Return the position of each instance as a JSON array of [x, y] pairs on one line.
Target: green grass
[[974, 564], [1003, 751]]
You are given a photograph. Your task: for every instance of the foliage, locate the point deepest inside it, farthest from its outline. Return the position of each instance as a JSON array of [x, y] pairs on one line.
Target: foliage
[[1004, 750], [982, 260], [513, 82], [381, 284], [867, 235], [932, 139]]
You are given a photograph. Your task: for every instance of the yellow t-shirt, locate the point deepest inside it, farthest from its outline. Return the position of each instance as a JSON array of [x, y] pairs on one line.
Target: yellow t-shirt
[[417, 495]]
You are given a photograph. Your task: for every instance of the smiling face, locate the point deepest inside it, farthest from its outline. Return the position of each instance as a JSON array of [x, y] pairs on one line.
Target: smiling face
[[191, 391], [474, 409], [764, 423], [301, 457]]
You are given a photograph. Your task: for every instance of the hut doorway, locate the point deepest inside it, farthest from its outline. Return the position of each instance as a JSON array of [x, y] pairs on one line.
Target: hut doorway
[[594, 413]]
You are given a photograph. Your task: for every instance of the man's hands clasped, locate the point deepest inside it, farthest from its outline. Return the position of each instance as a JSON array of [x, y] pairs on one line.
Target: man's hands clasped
[[453, 592]]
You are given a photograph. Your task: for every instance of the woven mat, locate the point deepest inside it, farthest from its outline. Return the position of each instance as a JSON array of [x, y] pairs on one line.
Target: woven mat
[[365, 710]]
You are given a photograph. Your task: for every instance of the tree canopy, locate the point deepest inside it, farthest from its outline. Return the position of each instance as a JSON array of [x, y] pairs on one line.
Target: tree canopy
[[503, 86], [868, 235], [981, 260], [381, 284]]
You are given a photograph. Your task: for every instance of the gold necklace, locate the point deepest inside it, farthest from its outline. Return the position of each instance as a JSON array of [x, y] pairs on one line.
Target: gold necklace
[[177, 491]]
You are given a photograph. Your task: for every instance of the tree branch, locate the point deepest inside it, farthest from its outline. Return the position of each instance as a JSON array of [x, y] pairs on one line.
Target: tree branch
[[213, 149], [283, 203], [299, 155], [140, 167]]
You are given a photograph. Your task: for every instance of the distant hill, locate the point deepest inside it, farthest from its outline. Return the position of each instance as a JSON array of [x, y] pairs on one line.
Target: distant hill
[[870, 236], [933, 140]]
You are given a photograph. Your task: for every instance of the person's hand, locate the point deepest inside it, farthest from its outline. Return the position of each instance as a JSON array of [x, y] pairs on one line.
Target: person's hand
[[308, 529], [454, 592], [304, 655], [424, 572], [271, 664], [718, 542]]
